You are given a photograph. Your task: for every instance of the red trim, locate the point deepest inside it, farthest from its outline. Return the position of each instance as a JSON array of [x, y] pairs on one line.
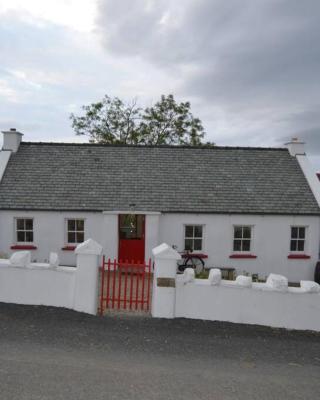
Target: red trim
[[69, 248], [23, 247], [242, 256], [298, 257]]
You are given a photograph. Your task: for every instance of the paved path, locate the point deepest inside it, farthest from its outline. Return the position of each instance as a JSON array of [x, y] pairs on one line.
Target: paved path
[[48, 353]]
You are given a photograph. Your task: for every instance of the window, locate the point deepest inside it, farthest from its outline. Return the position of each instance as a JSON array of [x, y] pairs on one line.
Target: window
[[24, 230], [131, 226], [242, 236], [193, 236], [298, 238], [75, 230]]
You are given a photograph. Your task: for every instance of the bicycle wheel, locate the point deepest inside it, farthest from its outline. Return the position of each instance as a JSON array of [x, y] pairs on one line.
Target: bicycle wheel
[[194, 262]]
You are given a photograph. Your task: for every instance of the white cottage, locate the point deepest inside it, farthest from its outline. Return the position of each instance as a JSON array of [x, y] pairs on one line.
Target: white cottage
[[254, 209]]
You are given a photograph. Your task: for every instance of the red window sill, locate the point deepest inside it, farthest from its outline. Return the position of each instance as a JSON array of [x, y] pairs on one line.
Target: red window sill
[[242, 256], [23, 247], [298, 257], [69, 248]]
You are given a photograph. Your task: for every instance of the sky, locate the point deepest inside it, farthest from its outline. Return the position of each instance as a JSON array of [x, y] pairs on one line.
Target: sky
[[251, 69]]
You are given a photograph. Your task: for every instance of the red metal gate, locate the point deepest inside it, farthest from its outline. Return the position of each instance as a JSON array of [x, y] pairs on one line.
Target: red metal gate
[[125, 285]]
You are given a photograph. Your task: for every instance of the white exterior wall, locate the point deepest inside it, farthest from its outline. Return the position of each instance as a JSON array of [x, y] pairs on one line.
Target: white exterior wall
[[49, 230], [151, 234], [271, 238], [270, 243]]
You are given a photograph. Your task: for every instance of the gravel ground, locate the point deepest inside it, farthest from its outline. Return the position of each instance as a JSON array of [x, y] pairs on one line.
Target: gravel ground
[[50, 353]]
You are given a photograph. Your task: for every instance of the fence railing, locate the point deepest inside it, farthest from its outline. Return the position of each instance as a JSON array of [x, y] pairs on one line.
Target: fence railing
[[125, 285]]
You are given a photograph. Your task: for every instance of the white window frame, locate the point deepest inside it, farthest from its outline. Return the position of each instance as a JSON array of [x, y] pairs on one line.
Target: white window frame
[[242, 238], [202, 238], [67, 230], [304, 251], [16, 230]]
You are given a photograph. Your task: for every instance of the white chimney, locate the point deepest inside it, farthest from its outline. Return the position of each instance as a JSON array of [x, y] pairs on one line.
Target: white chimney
[[296, 147], [11, 140]]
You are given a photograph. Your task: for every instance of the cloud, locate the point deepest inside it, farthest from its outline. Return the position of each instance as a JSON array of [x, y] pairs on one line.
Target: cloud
[[78, 15], [251, 67], [48, 71]]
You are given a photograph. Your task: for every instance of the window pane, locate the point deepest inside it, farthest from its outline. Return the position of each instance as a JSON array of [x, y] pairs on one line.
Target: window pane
[[197, 244], [246, 245], [80, 225], [189, 231], [29, 224], [238, 232], [302, 233], [20, 224], [300, 245], [71, 225], [247, 232], [198, 231], [237, 245], [188, 244], [294, 232], [29, 236], [293, 245], [71, 237], [20, 236], [79, 237]]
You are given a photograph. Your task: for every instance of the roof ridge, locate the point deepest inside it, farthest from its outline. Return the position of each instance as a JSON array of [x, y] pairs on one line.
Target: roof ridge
[[164, 146]]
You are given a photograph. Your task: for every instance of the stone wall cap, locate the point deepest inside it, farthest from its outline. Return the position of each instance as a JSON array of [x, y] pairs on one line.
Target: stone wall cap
[[90, 246], [165, 251]]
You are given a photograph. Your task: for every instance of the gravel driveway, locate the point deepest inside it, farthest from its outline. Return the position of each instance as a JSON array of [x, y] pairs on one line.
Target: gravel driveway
[[48, 353]]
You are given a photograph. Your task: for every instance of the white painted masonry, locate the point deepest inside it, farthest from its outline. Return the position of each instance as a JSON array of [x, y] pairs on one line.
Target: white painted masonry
[[310, 175], [271, 241], [163, 298], [43, 284], [230, 302], [4, 159], [271, 238], [272, 304], [11, 140]]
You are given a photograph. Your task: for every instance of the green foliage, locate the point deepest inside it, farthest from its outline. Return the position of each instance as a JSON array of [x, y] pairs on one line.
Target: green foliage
[[166, 122]]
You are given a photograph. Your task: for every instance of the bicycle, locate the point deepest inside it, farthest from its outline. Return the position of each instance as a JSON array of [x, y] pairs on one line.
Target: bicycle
[[191, 260]]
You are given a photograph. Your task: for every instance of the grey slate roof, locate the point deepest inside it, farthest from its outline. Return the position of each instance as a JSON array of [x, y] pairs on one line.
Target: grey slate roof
[[55, 176]]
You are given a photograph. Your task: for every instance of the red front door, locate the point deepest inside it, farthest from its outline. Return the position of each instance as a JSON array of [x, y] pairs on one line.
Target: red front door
[[131, 237]]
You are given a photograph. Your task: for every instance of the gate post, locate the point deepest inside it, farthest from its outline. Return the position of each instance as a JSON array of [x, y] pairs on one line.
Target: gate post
[[164, 281], [87, 274]]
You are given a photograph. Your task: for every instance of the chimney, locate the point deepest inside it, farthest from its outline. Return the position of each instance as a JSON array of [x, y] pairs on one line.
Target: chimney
[[296, 147], [11, 140]]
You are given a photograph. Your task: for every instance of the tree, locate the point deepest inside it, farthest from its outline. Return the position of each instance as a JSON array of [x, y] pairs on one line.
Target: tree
[[108, 121], [113, 121]]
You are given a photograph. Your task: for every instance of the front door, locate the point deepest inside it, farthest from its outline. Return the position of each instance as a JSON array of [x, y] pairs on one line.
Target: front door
[[131, 237]]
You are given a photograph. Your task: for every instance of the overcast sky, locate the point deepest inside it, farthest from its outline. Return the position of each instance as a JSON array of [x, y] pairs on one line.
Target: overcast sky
[[251, 68]]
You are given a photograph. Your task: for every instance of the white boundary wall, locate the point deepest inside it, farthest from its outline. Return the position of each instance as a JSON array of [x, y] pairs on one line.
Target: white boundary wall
[[293, 309], [43, 284], [272, 304]]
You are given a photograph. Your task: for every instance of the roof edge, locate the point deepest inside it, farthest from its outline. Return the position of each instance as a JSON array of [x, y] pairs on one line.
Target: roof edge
[[162, 212], [204, 146]]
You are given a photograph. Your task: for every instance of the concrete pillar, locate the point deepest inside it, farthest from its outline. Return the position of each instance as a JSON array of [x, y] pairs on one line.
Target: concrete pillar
[[87, 275], [164, 281]]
